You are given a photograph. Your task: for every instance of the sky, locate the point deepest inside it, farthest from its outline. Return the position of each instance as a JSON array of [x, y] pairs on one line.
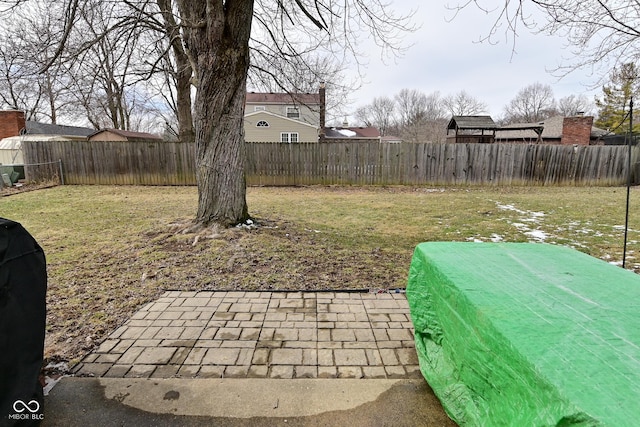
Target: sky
[[445, 56]]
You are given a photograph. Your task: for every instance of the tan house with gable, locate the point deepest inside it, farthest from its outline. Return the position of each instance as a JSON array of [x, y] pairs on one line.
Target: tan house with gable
[[283, 117], [264, 126]]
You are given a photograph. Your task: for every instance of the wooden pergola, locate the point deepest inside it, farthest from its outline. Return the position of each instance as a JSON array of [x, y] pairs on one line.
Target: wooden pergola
[[472, 129]]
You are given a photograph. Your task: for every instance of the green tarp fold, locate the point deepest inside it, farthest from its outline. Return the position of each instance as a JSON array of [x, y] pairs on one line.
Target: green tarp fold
[[521, 334]]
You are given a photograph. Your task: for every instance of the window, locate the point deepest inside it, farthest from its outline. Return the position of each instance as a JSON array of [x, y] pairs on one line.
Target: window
[[259, 108], [293, 112], [262, 124], [289, 137]]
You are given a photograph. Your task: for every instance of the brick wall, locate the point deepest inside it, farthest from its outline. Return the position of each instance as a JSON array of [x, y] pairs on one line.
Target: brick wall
[[11, 123], [576, 130]]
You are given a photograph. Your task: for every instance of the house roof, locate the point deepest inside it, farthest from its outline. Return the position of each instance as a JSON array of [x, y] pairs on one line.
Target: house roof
[[352, 132], [472, 122], [127, 134], [282, 98], [36, 128], [551, 129]]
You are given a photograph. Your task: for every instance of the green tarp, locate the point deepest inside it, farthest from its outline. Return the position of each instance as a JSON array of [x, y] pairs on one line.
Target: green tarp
[[521, 334]]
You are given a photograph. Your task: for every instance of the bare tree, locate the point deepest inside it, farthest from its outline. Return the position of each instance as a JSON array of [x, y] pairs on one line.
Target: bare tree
[[463, 104], [421, 116], [19, 82], [601, 34], [380, 114], [533, 103], [26, 44], [574, 104]]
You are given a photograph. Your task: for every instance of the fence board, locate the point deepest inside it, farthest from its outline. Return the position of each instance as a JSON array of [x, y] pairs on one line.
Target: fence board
[[359, 163]]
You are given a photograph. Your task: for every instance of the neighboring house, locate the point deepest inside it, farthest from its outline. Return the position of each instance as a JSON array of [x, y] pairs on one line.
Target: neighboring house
[[66, 132], [352, 134], [122, 135], [14, 130], [13, 123], [264, 126], [573, 130], [283, 117]]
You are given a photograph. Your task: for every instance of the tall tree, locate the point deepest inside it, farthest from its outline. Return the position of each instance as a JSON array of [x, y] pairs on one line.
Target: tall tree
[[380, 114], [613, 107], [464, 104], [217, 37], [532, 104], [574, 104], [422, 116]]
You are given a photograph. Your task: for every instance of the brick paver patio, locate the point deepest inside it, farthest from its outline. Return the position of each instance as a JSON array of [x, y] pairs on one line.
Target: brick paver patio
[[262, 335]]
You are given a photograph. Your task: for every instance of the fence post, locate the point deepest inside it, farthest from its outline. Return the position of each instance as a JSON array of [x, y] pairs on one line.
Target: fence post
[[61, 173]]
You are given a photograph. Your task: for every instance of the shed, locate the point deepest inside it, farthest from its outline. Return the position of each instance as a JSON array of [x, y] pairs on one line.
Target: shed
[[11, 151], [122, 135], [471, 129]]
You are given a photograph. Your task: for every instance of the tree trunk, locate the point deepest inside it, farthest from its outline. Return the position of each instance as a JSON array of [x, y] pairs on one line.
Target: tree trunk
[[218, 42], [183, 73]]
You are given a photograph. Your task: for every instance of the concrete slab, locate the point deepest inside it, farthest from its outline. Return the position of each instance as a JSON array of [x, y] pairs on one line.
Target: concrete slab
[[242, 402]]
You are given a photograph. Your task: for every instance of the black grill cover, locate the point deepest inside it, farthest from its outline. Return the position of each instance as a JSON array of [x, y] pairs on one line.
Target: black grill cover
[[23, 288]]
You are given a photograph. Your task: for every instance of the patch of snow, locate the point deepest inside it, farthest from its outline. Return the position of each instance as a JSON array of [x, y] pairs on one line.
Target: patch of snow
[[496, 238], [346, 132], [538, 235], [509, 208]]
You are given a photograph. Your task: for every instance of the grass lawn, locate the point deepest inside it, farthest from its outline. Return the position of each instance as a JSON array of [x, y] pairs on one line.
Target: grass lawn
[[112, 249]]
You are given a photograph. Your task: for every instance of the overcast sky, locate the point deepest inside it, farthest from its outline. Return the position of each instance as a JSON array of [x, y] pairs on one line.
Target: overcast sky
[[446, 57]]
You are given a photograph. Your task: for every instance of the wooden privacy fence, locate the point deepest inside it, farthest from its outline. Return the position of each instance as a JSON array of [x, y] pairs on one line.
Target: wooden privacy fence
[[358, 163]]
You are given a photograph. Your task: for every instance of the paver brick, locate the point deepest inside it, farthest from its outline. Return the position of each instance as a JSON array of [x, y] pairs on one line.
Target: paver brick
[[395, 372], [117, 371], [258, 371], [140, 371], [211, 371], [286, 356], [195, 356], [260, 356], [349, 372], [221, 356], [169, 333], [130, 356], [374, 372], [155, 356], [343, 335], [388, 356], [306, 372], [281, 371], [228, 333], [236, 371], [350, 357]]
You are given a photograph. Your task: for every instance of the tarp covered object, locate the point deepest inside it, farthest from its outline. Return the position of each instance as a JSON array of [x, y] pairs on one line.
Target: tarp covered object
[[521, 334], [23, 287]]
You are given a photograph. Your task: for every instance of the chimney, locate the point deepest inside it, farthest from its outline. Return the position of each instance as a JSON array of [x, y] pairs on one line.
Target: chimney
[[323, 110], [576, 130], [11, 123]]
